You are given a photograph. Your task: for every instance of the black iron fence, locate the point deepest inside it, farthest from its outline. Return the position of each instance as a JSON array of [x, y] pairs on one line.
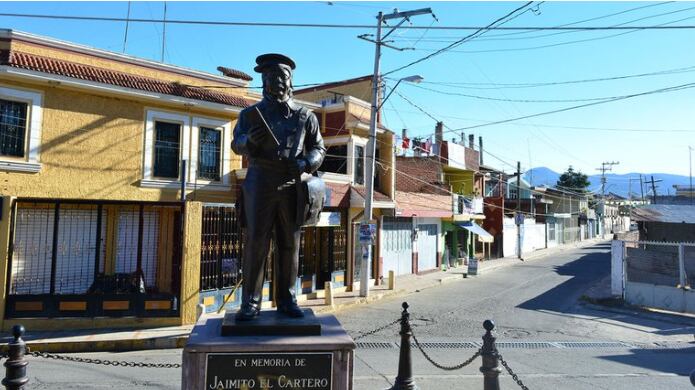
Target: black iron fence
[[322, 250], [90, 258], [221, 247]]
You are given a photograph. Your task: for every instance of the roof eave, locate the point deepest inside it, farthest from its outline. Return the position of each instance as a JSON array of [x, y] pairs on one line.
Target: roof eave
[[10, 34], [35, 76]]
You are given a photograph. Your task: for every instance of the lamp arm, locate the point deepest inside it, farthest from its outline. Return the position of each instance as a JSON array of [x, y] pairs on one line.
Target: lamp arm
[[387, 96]]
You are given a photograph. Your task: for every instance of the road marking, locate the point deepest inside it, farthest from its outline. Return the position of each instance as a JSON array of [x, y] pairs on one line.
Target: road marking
[[528, 375], [533, 344]]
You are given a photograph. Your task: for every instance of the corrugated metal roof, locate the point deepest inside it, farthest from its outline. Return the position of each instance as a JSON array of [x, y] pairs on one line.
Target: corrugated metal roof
[[665, 213]]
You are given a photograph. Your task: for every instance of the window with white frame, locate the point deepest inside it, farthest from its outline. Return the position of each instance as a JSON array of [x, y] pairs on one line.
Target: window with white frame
[[359, 165], [13, 127], [210, 148], [167, 149], [336, 159], [172, 137], [20, 129], [167, 140], [210, 160]]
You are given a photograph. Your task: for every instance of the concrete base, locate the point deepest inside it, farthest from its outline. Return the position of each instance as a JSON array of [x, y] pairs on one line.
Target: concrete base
[[272, 323], [213, 361]]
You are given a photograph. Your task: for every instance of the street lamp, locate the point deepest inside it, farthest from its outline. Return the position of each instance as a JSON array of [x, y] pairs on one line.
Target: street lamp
[[369, 196], [415, 79]]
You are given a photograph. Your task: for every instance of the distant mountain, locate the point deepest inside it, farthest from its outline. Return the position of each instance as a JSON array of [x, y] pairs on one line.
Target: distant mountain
[[617, 184]]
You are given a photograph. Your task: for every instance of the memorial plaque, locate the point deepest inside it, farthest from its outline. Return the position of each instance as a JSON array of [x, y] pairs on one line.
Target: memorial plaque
[[247, 371]]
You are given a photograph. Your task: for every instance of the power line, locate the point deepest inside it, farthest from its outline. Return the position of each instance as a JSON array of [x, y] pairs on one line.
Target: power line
[[551, 142], [586, 20], [460, 41], [616, 25], [662, 90], [422, 110], [489, 38], [631, 30], [337, 26], [562, 126], [447, 93], [469, 85]]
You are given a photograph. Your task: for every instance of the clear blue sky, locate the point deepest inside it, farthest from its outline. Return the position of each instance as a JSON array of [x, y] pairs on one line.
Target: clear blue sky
[[498, 57]]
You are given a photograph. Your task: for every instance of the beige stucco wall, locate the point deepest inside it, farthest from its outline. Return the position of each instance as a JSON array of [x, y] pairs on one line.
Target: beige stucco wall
[[4, 246], [190, 267], [387, 169], [92, 147], [361, 90]]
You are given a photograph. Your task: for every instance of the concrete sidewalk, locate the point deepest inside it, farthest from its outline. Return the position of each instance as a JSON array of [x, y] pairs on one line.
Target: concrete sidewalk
[[175, 337]]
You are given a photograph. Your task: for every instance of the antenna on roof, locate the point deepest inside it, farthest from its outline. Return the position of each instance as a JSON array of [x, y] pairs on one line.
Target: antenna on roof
[[164, 30], [127, 22]]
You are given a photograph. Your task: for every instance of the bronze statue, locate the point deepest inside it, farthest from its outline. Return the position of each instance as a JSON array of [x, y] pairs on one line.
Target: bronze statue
[[284, 146]]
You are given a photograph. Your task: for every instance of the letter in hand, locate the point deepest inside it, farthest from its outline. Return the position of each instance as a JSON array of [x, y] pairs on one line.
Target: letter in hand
[[260, 132], [257, 135]]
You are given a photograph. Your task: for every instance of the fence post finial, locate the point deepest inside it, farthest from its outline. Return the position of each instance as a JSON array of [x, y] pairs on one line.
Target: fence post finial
[[490, 367], [15, 365], [404, 379]]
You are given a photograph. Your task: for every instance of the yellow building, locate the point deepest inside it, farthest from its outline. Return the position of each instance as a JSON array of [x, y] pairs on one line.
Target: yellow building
[[93, 149]]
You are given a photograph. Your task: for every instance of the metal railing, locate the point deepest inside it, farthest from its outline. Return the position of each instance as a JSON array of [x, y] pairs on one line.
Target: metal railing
[[491, 358]]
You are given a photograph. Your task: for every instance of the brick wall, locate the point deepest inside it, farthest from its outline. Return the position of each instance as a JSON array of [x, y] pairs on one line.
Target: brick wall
[[420, 174], [334, 123]]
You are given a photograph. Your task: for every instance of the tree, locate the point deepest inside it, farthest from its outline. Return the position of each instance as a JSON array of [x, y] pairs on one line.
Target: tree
[[573, 180]]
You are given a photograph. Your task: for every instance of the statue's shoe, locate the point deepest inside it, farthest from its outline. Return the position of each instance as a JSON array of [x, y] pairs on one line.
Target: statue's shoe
[[247, 312], [291, 310]]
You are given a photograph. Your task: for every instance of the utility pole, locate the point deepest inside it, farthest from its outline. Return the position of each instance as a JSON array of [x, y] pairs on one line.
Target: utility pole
[[518, 208], [605, 166], [690, 167], [365, 267], [630, 180], [641, 187], [652, 182]]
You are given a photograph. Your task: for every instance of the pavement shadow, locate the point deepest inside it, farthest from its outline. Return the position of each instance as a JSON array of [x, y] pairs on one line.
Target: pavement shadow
[[677, 361], [585, 271], [591, 267]]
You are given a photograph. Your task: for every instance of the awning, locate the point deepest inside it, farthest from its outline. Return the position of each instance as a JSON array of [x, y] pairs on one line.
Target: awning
[[477, 229]]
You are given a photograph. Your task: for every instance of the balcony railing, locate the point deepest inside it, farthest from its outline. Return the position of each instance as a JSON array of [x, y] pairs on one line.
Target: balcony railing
[[463, 205]]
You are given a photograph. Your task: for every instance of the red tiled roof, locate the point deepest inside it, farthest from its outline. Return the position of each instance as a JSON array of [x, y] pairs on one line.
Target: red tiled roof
[[237, 74], [338, 195], [121, 79], [378, 196]]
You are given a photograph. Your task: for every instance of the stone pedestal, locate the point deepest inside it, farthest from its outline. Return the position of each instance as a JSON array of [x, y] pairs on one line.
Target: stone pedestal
[[275, 361]]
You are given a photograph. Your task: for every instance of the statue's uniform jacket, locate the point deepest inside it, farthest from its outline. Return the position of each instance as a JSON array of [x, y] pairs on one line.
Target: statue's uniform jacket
[[269, 194]]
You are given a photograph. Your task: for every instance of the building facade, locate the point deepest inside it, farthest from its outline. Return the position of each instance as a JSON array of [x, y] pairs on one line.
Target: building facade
[[107, 162]]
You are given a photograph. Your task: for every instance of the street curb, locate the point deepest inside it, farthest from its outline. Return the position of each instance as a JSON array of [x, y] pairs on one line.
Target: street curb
[[105, 345], [387, 294], [675, 318], [179, 341]]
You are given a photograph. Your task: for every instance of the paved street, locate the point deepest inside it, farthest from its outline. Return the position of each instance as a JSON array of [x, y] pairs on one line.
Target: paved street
[[538, 313]]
